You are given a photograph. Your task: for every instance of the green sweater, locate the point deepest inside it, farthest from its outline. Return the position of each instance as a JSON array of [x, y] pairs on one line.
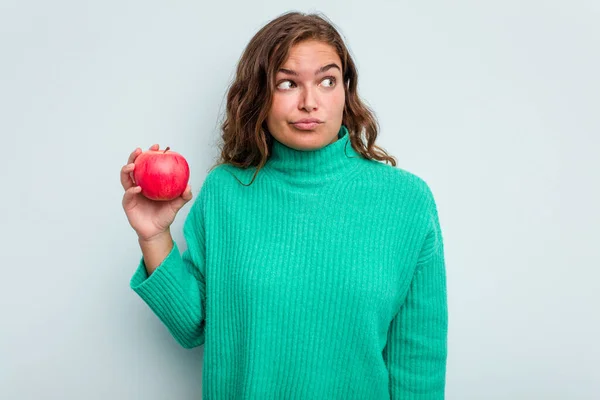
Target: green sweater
[[324, 279]]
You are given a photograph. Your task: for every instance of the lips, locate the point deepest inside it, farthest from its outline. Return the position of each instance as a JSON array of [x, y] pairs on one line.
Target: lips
[[307, 121], [307, 124]]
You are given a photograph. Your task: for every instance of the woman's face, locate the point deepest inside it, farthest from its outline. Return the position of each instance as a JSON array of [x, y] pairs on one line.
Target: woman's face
[[308, 86]]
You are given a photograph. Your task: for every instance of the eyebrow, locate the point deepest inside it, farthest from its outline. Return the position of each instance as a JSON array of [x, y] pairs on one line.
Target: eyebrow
[[319, 71]]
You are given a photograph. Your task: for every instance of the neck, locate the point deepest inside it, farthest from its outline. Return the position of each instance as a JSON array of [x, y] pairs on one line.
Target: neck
[[311, 169]]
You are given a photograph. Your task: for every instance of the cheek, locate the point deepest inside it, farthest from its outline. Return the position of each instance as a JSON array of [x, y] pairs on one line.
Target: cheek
[[281, 106], [340, 99]]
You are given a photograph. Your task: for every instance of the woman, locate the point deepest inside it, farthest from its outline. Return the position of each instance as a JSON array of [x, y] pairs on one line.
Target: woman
[[313, 270]]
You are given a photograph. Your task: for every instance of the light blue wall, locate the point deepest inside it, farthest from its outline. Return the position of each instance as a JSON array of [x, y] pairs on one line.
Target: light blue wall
[[495, 104]]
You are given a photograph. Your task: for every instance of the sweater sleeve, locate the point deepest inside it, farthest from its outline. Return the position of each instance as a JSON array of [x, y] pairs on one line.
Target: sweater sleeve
[[176, 290], [416, 350]]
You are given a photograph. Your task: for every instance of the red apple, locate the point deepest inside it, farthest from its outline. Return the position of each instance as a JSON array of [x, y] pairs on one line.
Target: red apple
[[162, 174]]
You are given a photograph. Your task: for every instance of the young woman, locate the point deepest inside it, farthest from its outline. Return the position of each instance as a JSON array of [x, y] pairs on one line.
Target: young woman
[[312, 269]]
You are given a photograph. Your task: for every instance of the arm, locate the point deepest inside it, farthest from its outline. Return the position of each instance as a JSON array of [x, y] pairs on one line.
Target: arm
[[155, 250], [416, 350], [176, 289]]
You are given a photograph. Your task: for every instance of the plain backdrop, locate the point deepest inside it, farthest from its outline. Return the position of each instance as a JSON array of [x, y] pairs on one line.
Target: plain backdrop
[[495, 104]]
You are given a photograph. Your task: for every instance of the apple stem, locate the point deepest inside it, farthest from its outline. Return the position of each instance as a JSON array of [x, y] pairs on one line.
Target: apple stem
[[166, 149]]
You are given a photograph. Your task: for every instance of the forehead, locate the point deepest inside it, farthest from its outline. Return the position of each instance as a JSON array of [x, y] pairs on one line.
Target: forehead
[[309, 55]]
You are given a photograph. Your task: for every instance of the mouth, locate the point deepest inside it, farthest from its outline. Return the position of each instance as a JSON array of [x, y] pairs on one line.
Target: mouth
[[307, 124]]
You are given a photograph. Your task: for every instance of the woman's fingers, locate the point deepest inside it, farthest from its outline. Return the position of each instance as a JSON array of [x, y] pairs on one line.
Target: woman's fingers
[[187, 194], [180, 201], [129, 196], [127, 180], [133, 155]]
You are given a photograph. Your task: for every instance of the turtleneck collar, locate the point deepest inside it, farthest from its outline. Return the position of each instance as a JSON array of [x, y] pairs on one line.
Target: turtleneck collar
[[306, 169]]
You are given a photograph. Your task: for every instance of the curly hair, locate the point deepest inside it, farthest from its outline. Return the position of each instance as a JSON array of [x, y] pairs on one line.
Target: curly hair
[[246, 141]]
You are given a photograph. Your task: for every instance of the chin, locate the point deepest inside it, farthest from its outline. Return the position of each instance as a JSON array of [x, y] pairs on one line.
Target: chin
[[311, 141]]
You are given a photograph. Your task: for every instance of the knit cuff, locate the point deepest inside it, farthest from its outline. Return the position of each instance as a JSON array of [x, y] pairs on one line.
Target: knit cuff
[[140, 281]]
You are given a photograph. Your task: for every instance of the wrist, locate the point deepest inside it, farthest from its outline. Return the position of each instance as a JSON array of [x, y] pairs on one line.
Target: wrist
[[155, 250], [161, 237]]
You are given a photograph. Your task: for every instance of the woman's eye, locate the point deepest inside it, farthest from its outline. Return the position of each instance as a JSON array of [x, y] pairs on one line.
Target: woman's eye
[[329, 78], [282, 86], [289, 84]]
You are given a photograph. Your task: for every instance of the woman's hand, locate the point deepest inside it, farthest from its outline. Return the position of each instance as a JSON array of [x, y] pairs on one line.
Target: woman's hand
[[149, 218]]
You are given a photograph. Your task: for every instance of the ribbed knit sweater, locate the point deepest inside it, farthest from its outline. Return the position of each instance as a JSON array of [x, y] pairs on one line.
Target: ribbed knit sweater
[[323, 279]]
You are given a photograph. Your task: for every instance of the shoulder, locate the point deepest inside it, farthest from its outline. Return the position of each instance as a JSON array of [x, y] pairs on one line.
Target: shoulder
[[417, 186], [220, 176], [417, 198], [209, 188], [402, 182], [424, 200], [404, 193], [225, 181], [209, 185], [213, 177]]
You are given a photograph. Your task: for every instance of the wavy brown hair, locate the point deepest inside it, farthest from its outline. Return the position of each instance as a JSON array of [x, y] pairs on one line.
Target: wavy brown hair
[[246, 139]]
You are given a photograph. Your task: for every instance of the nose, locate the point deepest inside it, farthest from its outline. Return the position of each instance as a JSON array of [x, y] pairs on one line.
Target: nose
[[308, 101]]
